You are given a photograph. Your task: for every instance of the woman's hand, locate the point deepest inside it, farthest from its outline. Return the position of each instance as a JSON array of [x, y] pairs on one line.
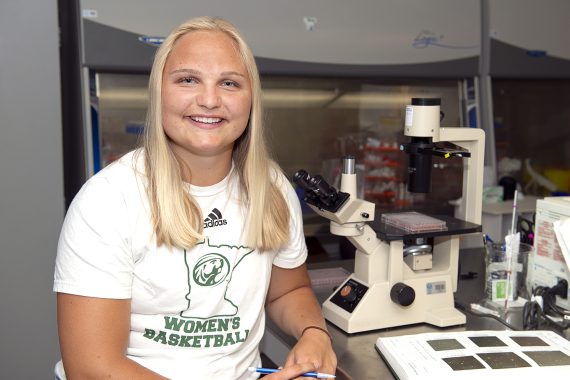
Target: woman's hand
[[292, 305], [312, 353]]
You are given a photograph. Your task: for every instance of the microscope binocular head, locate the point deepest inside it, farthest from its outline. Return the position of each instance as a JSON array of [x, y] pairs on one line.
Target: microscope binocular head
[[318, 192]]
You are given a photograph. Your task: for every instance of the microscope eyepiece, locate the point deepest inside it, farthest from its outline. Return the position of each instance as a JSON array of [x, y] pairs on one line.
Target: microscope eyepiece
[[316, 185], [302, 178], [318, 192], [326, 192]]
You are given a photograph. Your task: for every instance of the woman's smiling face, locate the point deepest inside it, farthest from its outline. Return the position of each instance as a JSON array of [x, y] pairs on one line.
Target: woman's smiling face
[[206, 95]]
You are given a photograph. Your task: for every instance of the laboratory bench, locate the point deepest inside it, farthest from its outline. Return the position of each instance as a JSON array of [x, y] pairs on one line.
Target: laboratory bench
[[356, 354]]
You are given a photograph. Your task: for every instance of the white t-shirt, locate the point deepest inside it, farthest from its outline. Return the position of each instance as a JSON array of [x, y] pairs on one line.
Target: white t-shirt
[[196, 314]]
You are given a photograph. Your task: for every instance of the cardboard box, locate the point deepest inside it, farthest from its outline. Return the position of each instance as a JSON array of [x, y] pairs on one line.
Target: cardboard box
[[547, 264]]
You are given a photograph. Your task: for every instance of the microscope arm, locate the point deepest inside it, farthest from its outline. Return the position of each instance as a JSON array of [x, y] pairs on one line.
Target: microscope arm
[[472, 139]]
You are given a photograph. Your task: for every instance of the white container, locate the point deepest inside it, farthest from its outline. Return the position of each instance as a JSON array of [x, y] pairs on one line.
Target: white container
[[497, 286]]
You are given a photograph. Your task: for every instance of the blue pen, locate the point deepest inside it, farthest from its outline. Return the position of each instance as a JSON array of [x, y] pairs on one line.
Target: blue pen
[[316, 375]]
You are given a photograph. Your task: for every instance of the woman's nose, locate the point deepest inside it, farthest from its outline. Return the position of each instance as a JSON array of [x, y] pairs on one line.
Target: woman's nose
[[209, 97]]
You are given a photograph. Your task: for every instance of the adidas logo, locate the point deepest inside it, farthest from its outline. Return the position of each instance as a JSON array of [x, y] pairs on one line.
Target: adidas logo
[[215, 219]]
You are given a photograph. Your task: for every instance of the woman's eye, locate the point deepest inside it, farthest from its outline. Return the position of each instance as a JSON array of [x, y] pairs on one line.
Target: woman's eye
[[229, 83], [187, 80]]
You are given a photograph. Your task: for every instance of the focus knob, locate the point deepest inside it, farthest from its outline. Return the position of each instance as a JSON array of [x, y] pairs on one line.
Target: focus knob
[[402, 294]]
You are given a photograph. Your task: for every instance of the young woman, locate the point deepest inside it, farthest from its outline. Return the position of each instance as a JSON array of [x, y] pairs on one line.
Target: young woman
[[170, 257]]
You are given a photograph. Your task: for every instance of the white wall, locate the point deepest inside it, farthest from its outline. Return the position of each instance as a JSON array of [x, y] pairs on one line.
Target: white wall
[[31, 186]]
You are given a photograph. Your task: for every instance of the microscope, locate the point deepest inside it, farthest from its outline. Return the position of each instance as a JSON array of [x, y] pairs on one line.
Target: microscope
[[402, 277]]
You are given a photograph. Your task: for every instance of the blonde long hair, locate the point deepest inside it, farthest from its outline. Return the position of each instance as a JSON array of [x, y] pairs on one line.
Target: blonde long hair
[[176, 217]]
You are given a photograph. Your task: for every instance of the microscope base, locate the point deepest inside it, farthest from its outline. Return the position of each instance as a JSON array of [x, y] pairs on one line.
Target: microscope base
[[374, 309]]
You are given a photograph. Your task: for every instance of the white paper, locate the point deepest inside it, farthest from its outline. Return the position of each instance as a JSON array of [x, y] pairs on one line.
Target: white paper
[[414, 356], [562, 231]]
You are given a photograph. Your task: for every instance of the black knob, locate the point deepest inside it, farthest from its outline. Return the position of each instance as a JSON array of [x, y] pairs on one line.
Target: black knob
[[402, 294]]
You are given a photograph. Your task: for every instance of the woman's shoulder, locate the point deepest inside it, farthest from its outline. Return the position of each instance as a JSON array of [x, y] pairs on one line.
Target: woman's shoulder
[[122, 175], [131, 163], [126, 167]]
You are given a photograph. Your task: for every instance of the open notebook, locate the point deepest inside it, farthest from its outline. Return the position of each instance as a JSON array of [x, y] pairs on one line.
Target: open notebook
[[477, 355]]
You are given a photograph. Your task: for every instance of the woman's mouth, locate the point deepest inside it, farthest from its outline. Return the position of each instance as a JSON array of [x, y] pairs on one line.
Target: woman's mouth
[[206, 120]]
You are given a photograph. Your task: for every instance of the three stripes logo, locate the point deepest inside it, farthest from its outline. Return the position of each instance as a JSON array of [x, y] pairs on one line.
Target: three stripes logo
[[214, 219]]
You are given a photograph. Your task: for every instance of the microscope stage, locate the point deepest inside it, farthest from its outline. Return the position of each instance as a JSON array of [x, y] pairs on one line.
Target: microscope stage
[[455, 226]]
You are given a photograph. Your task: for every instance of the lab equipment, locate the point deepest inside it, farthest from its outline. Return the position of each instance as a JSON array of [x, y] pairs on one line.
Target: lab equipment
[[401, 277], [498, 287], [549, 262]]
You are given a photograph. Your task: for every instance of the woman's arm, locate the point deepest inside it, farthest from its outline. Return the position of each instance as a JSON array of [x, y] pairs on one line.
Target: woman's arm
[[292, 305], [93, 336]]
